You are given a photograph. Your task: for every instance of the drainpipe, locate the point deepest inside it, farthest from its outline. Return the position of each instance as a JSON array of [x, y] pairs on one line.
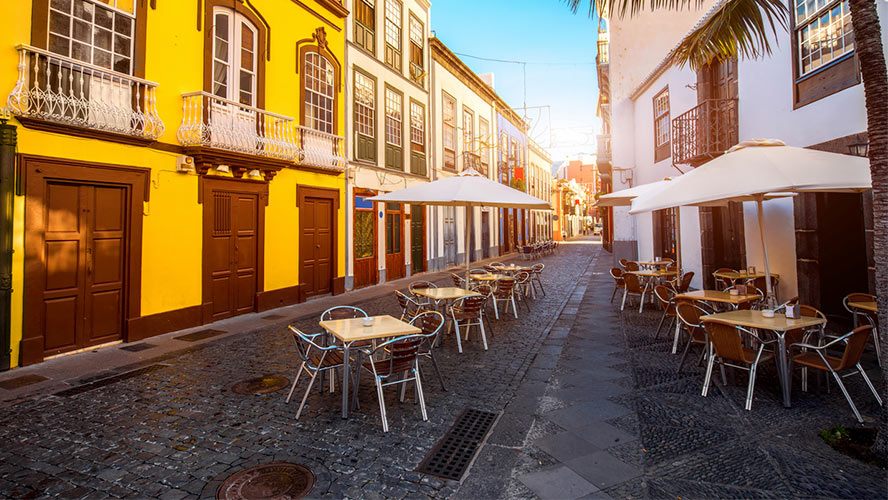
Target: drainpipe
[[7, 178]]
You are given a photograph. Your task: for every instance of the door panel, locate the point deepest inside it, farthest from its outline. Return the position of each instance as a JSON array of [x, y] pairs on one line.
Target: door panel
[[231, 253], [417, 238], [485, 235], [246, 217], [364, 242], [84, 252], [316, 245], [394, 242]]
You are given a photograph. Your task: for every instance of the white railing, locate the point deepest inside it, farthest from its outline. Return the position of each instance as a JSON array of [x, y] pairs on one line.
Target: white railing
[[64, 90], [215, 122]]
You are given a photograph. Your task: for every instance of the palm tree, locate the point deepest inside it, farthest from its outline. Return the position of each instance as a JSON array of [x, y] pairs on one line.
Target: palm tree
[[741, 28]]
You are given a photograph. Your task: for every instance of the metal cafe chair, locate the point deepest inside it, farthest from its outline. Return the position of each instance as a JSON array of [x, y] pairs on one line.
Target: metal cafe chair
[[632, 286], [487, 292], [466, 312], [421, 285], [666, 296], [689, 314], [523, 287], [316, 358], [431, 323], [723, 283], [617, 274], [682, 283], [504, 293], [536, 277], [458, 281], [870, 317], [338, 312], [814, 356], [394, 362], [410, 308], [726, 347]]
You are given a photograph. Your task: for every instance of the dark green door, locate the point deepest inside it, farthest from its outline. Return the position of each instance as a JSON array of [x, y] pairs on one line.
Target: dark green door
[[417, 236]]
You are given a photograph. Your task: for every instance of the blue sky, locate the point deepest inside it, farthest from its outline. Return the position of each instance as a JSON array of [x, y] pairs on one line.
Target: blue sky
[[535, 31]]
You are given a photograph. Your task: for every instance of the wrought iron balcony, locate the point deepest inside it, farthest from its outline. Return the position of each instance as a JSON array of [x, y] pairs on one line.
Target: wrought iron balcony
[[218, 123], [56, 89], [473, 160], [704, 132]]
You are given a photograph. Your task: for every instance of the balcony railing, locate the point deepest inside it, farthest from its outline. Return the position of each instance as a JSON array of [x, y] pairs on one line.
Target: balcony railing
[[214, 122], [471, 160], [603, 54], [66, 91], [704, 132]]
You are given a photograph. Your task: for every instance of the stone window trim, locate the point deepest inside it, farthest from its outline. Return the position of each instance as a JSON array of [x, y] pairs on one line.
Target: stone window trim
[[662, 125], [318, 43]]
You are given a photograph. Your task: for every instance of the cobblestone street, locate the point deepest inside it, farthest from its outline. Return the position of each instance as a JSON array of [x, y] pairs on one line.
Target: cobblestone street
[[591, 403]]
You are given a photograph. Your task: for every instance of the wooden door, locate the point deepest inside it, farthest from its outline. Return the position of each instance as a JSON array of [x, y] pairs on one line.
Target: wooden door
[[316, 244], [394, 241], [231, 253], [449, 235], [84, 272], [364, 241], [485, 234], [417, 238]]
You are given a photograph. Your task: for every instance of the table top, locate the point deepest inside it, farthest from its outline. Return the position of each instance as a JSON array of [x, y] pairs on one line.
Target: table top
[[445, 292], [654, 262], [743, 275], [754, 319], [509, 268], [352, 329], [653, 273], [486, 277], [716, 296], [866, 306]]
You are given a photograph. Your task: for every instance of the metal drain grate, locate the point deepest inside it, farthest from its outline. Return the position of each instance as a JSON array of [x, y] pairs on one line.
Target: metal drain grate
[[80, 389], [137, 347], [453, 454], [199, 335]]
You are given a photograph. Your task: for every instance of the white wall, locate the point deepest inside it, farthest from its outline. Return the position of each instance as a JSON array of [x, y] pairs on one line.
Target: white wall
[[780, 238]]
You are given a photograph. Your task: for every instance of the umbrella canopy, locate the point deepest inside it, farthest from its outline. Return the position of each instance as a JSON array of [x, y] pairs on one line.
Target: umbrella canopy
[[466, 189], [624, 197], [756, 170]]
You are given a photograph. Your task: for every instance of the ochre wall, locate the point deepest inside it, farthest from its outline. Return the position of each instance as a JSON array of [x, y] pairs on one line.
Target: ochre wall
[[172, 219]]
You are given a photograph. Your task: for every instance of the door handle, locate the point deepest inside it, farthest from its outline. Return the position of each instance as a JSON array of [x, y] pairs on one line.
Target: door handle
[[318, 245]]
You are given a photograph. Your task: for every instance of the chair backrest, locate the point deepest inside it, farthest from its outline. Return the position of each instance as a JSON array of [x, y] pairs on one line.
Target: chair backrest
[[407, 303], [491, 269], [457, 280], [726, 339], [469, 306], [632, 266], [343, 312], [477, 271], [522, 277], [689, 313], [633, 284], [504, 286], [538, 268], [855, 346], [856, 297], [305, 342], [420, 285], [721, 283], [494, 263], [396, 355], [484, 289], [685, 282], [430, 322], [617, 275], [624, 263], [665, 295]]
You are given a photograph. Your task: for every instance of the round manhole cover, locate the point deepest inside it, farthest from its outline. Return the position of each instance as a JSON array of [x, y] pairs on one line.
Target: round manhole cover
[[278, 480], [260, 385]]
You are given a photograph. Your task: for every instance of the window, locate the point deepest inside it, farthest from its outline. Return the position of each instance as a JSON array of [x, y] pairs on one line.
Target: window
[[364, 219], [392, 228], [417, 127], [393, 117], [320, 81], [95, 32], [417, 66], [484, 135], [365, 24], [661, 125], [449, 131], [365, 117], [824, 33], [664, 233], [469, 129], [393, 34], [234, 57]]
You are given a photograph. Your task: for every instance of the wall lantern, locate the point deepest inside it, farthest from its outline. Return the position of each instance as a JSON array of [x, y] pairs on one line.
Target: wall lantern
[[859, 149]]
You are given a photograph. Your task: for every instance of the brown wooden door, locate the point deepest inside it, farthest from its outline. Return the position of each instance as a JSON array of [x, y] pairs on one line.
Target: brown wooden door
[[85, 254], [316, 245], [364, 241], [394, 241], [231, 255]]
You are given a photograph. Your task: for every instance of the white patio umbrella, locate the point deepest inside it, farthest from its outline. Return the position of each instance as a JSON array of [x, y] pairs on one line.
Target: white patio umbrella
[[467, 189], [757, 170]]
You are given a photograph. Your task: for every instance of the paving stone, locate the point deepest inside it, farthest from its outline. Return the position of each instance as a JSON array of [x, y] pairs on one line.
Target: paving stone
[[602, 469], [558, 482], [565, 446]]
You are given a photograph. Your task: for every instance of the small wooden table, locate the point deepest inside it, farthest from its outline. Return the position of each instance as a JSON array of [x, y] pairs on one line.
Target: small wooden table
[[710, 296], [445, 293], [511, 268], [866, 306], [654, 263], [353, 330], [742, 275], [486, 277], [779, 324]]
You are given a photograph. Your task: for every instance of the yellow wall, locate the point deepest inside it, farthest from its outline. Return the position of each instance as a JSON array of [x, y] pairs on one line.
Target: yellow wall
[[172, 219]]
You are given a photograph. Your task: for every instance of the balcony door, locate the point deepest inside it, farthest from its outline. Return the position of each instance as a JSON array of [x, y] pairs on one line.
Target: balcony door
[[234, 73]]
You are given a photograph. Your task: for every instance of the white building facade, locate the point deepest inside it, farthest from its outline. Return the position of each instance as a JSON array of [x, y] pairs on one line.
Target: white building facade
[[389, 139], [667, 120]]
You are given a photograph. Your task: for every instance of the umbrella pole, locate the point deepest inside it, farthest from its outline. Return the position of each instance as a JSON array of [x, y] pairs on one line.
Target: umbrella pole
[[678, 241], [468, 207], [761, 221]]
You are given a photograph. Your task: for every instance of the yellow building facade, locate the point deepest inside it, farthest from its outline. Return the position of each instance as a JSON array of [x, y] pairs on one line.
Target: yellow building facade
[[178, 162]]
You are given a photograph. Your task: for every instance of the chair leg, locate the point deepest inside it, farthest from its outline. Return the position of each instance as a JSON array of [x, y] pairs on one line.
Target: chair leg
[[437, 370], [483, 335], [752, 370], [514, 308], [708, 378], [847, 396], [613, 294], [332, 381], [295, 381], [419, 393], [875, 336], [385, 425], [684, 353], [868, 383], [623, 304], [455, 324], [659, 326], [305, 396], [495, 308], [403, 394]]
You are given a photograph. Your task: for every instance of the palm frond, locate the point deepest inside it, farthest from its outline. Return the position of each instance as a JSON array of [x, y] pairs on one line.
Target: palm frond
[[737, 28]]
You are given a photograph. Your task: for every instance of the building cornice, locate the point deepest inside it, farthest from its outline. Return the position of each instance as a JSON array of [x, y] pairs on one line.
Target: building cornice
[[334, 7]]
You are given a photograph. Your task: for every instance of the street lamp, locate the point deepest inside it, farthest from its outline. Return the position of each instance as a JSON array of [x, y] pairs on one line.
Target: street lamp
[[859, 149]]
